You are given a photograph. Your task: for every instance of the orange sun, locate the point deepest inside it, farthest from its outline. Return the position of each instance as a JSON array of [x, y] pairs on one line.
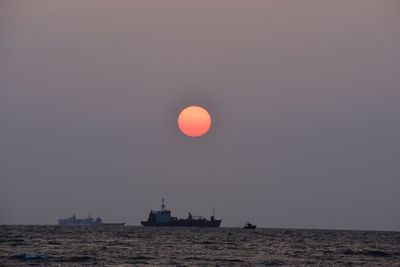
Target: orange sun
[[194, 121]]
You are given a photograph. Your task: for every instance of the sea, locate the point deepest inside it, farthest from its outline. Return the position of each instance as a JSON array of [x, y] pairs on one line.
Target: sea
[[164, 246]]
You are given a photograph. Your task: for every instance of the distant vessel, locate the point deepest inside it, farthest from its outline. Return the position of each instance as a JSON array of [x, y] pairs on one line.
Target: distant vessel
[[249, 226], [86, 221], [163, 218]]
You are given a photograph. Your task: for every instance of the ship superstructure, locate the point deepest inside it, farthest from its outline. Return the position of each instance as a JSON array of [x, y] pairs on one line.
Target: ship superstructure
[[163, 218]]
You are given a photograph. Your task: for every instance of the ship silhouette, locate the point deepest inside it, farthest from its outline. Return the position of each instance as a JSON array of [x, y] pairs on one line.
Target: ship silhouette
[[164, 218], [88, 221], [249, 225]]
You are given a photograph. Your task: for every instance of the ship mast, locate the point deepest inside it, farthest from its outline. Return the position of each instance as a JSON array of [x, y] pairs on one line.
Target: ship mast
[[162, 205]]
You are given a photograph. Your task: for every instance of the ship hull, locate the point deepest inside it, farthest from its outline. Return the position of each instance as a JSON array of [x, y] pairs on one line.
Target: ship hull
[[93, 224], [184, 223]]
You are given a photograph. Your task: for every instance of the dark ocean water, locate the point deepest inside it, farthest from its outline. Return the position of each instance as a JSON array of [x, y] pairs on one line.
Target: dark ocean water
[[132, 246]]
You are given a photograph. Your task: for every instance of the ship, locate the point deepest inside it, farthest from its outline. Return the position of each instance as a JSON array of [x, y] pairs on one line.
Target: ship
[[164, 218], [88, 221], [250, 226]]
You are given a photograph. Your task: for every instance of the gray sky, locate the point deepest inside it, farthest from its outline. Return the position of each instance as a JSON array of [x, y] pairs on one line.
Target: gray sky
[[304, 95]]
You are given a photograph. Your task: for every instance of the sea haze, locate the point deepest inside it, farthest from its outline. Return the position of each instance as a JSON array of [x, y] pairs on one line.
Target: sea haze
[[304, 98]]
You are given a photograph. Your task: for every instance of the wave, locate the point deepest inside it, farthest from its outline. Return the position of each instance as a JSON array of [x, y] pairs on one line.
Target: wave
[[213, 259], [273, 263], [371, 253], [76, 259], [141, 258], [29, 256]]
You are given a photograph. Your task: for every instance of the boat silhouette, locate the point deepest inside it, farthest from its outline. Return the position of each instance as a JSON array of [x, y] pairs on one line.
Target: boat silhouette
[[163, 218], [249, 226]]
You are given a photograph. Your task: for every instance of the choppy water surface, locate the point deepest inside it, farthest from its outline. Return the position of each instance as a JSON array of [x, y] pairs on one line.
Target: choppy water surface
[[66, 246]]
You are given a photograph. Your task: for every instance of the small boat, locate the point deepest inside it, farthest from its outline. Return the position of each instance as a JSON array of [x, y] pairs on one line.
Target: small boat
[[250, 226]]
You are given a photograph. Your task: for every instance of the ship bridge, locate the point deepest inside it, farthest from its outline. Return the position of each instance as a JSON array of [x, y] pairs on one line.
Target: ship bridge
[[162, 216]]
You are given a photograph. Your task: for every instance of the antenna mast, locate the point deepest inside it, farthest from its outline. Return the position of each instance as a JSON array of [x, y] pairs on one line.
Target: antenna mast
[[162, 205]]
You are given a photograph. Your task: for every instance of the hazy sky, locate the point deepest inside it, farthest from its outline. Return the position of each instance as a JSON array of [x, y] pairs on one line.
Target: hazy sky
[[304, 95]]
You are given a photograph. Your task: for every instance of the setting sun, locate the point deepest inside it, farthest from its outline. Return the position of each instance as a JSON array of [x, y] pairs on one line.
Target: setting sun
[[194, 121]]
